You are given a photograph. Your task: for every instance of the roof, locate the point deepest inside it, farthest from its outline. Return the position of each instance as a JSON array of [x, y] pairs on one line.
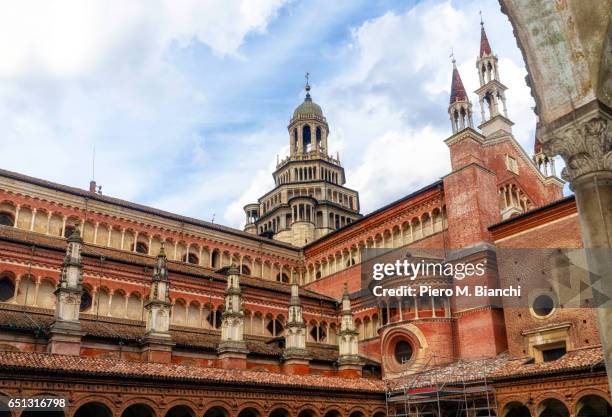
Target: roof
[[485, 47], [458, 92], [74, 365], [502, 367], [30, 320], [8, 233], [308, 107], [139, 207]]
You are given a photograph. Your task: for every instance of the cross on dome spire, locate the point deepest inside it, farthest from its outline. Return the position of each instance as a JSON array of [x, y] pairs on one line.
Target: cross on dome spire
[[307, 86]]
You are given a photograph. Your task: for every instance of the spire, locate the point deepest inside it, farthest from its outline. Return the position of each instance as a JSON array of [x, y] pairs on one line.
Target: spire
[[295, 330], [157, 342], [485, 47], [307, 88], [457, 89], [66, 328], [348, 347], [232, 346]]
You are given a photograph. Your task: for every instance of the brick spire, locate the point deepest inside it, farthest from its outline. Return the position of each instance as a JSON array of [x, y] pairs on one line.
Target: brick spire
[[485, 47], [457, 89]]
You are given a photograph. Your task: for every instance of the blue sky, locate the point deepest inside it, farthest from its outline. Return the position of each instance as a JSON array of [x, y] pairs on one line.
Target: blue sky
[[187, 101]]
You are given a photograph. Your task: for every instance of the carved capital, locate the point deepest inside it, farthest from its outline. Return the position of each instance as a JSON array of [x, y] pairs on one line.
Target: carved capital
[[585, 146]]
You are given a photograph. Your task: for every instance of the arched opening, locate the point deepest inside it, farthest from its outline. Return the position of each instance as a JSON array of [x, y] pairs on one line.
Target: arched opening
[[516, 409], [180, 411], [7, 287], [249, 412], [279, 412], [138, 410], [307, 413], [552, 407], [142, 247], [356, 414], [93, 409], [216, 412], [379, 414], [282, 277], [333, 413], [593, 406], [7, 219], [245, 270], [85, 301], [306, 139]]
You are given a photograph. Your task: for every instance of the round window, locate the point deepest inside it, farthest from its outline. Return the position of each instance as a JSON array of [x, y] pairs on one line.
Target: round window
[[543, 305], [403, 351]]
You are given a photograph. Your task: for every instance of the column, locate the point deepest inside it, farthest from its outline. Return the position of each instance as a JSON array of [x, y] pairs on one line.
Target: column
[[64, 219], [48, 222], [95, 238], [135, 240], [17, 209], [122, 238], [33, 219], [585, 144], [110, 233]]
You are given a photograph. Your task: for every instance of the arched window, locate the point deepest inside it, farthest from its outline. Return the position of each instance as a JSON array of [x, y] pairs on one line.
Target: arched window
[[85, 301], [7, 288], [142, 248], [282, 277], [191, 259], [318, 136], [306, 138], [6, 219], [402, 351]]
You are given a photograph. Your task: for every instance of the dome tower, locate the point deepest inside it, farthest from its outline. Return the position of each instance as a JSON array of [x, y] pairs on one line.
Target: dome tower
[[309, 199]]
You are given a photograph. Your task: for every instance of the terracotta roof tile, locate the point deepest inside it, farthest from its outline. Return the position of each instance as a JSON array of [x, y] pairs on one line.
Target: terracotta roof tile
[[458, 92], [485, 48], [72, 365], [499, 368], [30, 319]]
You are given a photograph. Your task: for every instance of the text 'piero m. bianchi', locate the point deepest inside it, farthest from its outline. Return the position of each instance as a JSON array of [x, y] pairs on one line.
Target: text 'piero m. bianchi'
[[406, 271]]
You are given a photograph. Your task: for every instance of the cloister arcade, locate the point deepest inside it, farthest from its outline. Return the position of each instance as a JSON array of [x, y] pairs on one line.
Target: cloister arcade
[[38, 291], [142, 239], [403, 233]]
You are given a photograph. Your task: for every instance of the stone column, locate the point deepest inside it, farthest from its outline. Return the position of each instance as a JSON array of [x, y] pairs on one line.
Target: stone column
[[585, 144]]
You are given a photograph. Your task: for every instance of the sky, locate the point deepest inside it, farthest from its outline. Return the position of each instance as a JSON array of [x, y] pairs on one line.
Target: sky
[[187, 101]]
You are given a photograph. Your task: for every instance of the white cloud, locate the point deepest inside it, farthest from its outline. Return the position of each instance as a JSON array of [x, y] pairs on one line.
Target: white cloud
[[78, 73], [387, 106]]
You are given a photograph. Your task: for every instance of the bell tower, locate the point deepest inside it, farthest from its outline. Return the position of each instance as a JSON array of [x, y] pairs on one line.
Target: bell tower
[[491, 93], [309, 199]]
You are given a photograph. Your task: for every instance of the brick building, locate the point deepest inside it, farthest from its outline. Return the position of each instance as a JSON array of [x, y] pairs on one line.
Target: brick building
[[128, 310]]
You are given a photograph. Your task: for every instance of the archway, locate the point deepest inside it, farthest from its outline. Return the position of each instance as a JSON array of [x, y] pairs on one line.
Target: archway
[[93, 409], [138, 410], [356, 413], [216, 412], [333, 413], [279, 412], [249, 412], [379, 414], [552, 407], [307, 413], [516, 409], [180, 411], [593, 406]]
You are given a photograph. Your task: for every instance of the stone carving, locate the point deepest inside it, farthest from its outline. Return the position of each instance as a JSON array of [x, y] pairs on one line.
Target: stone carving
[[586, 147]]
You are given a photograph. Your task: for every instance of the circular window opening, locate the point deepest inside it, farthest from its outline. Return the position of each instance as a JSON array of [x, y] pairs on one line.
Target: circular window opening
[[543, 305], [403, 352]]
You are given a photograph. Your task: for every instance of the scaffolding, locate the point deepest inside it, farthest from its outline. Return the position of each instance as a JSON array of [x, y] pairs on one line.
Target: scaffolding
[[454, 389]]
